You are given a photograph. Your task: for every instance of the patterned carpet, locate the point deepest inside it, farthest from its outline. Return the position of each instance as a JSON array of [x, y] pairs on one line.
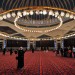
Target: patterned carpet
[[37, 63]]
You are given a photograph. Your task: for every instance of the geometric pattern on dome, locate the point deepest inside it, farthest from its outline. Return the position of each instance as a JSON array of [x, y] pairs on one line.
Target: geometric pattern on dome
[[10, 4]]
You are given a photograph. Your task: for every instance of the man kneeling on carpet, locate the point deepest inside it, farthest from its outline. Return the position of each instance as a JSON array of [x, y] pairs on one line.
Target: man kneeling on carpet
[[20, 58]]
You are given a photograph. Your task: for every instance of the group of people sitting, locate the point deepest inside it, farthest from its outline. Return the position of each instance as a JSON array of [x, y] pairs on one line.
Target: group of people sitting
[[66, 52]]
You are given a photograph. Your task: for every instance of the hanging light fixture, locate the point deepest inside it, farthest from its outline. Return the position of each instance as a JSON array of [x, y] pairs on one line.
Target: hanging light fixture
[[44, 12], [4, 16], [8, 15], [67, 15], [13, 14], [1, 18], [37, 12], [71, 16], [56, 13], [31, 12], [51, 12], [26, 11], [62, 14], [41, 12]]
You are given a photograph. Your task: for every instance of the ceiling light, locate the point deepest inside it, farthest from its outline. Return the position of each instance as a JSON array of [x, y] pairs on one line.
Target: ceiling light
[[27, 13], [71, 16], [19, 13], [29, 30], [4, 17], [37, 12], [56, 13], [24, 13], [74, 17], [41, 12], [67, 15], [8, 15], [50, 12], [31, 12], [13, 14], [62, 14], [1, 18], [44, 12]]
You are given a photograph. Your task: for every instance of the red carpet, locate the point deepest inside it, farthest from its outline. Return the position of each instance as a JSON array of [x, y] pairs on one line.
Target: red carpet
[[37, 63]]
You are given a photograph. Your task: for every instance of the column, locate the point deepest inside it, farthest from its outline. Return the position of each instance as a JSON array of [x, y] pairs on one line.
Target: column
[[29, 43], [62, 43], [59, 43], [4, 44], [55, 44]]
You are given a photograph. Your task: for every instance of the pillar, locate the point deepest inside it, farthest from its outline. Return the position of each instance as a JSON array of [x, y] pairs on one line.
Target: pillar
[[29, 43], [58, 43], [4, 43]]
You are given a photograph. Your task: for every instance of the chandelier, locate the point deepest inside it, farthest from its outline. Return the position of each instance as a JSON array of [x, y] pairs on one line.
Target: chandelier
[[17, 13]]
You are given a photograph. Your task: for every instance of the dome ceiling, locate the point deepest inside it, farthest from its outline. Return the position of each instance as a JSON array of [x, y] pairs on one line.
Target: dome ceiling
[[42, 22], [37, 20], [10, 4]]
